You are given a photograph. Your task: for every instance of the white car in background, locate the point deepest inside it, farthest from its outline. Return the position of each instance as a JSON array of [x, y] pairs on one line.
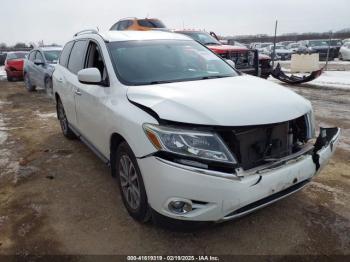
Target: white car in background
[[187, 136], [294, 47], [344, 52]]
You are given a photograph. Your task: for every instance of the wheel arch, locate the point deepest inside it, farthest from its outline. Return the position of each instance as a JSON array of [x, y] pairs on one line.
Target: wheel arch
[[115, 140]]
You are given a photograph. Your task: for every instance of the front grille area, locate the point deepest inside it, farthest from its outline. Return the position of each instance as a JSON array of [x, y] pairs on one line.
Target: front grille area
[[243, 60], [257, 145]]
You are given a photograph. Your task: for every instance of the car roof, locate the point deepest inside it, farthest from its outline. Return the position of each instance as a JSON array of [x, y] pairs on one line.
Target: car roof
[[117, 36], [49, 48], [16, 52]]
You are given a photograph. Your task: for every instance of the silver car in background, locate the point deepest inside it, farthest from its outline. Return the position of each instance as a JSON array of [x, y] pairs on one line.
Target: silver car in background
[[39, 67]]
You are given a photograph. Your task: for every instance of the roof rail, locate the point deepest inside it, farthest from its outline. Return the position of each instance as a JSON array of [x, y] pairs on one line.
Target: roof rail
[[86, 31]]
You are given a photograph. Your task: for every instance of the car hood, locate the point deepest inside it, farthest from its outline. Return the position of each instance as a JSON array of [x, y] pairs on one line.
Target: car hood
[[282, 51], [226, 48], [232, 101], [320, 48]]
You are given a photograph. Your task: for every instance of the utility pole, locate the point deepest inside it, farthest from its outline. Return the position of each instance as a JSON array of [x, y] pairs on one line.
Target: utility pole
[[329, 47], [274, 45]]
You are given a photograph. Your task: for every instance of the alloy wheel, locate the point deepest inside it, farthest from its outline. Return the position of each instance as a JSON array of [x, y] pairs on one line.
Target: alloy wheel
[[129, 182]]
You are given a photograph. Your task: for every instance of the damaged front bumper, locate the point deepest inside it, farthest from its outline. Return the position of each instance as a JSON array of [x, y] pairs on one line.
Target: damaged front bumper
[[217, 196], [293, 79]]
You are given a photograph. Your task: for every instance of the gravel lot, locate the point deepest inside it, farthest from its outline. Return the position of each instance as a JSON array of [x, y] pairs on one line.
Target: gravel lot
[[57, 197]]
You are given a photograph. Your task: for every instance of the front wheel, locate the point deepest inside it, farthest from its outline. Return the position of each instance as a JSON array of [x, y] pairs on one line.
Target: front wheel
[[340, 57], [131, 184]]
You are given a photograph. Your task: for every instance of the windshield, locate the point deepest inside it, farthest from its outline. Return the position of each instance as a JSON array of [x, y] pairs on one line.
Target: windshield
[[151, 23], [293, 45], [164, 61], [279, 47], [17, 55], [318, 43], [336, 43], [52, 56], [203, 38], [265, 45]]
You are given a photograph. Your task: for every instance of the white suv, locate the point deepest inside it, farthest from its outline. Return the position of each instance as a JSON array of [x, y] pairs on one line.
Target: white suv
[[187, 136]]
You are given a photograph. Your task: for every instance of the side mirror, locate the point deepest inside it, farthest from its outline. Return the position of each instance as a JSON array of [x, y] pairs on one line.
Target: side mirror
[[90, 76], [38, 62], [231, 63]]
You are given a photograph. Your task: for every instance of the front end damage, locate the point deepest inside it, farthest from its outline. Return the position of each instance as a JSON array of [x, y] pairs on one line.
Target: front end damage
[[271, 143], [273, 162], [272, 165], [260, 148]]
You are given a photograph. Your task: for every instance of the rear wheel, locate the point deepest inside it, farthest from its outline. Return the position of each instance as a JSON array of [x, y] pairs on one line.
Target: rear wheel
[[28, 83], [66, 130], [131, 184]]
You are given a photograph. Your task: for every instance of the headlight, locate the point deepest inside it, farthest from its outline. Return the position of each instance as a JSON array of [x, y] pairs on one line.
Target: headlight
[[191, 143]]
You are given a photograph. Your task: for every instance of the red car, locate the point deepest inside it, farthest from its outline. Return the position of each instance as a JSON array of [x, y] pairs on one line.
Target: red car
[[246, 60], [14, 65]]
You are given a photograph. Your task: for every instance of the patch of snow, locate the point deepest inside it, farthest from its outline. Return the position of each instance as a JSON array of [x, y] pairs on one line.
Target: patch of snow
[[328, 80], [2, 73], [3, 134], [46, 115], [333, 79], [7, 166]]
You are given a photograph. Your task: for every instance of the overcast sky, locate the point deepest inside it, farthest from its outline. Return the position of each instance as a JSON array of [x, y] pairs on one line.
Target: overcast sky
[[57, 20]]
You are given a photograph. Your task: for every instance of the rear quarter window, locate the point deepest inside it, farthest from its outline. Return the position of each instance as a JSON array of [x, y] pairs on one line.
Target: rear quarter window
[[65, 54], [32, 56]]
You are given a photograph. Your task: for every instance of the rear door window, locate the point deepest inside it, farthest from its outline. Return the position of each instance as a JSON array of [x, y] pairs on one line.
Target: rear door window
[[77, 56], [65, 54]]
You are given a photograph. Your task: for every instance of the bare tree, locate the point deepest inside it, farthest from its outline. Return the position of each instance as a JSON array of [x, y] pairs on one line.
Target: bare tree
[[20, 45]]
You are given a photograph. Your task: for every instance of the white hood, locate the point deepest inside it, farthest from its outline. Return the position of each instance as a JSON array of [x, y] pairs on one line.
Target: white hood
[[232, 101]]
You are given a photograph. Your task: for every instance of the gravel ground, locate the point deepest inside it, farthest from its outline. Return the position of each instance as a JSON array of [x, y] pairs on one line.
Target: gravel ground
[[57, 197]]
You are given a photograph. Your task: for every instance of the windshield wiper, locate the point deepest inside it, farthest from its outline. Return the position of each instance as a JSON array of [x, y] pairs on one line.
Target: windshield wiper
[[160, 82], [212, 77], [212, 43]]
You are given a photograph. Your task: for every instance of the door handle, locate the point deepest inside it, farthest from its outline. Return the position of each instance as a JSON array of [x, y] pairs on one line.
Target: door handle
[[60, 80], [78, 93]]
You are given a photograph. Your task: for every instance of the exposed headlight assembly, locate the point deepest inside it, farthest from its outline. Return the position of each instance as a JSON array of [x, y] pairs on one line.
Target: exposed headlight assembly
[[310, 117], [190, 143]]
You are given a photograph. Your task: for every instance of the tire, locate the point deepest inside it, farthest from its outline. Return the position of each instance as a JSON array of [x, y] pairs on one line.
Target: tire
[[66, 130], [340, 57], [28, 84], [48, 87], [131, 184]]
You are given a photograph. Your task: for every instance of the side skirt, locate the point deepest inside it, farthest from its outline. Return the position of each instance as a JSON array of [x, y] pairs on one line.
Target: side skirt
[[90, 145]]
